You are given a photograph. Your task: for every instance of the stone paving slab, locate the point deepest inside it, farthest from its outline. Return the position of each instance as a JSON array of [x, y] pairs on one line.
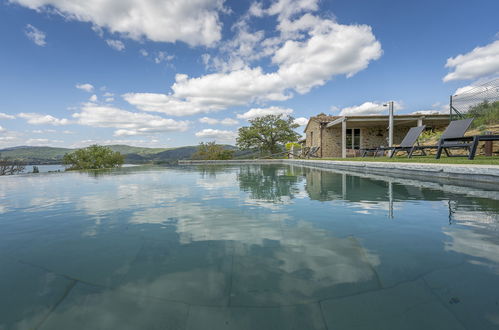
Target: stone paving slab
[[286, 318], [88, 307], [408, 306], [27, 294]]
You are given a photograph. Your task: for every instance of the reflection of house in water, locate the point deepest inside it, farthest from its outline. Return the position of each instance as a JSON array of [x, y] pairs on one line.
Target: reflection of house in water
[[330, 185]]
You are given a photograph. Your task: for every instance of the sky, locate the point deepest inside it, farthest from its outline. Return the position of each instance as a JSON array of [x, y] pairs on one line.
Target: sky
[[167, 73]]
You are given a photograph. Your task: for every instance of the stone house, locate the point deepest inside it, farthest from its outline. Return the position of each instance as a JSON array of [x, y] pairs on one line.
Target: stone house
[[341, 136]]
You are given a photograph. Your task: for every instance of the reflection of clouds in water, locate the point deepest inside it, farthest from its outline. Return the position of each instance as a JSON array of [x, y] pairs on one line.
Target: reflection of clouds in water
[[221, 180], [368, 207], [333, 260], [479, 245], [130, 196], [200, 223]]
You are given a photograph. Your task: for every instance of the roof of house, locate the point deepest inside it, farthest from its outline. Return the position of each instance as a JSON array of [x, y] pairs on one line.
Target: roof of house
[[379, 120]]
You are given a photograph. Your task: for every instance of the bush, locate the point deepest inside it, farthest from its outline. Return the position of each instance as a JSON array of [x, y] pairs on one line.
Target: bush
[[484, 113], [92, 158], [290, 145], [212, 151], [10, 167]]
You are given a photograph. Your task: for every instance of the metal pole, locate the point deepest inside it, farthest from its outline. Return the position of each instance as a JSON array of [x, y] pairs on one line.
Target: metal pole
[[450, 107], [390, 126], [344, 138]]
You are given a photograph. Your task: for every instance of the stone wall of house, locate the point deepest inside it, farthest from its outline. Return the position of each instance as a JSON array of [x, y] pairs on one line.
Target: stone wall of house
[[313, 133], [370, 137]]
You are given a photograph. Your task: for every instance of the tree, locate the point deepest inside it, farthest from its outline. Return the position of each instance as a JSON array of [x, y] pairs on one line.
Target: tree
[[212, 151], [268, 133], [93, 157], [10, 167]]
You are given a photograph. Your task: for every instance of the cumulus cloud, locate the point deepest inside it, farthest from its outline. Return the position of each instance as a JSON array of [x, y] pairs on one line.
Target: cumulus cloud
[[85, 87], [39, 119], [480, 62], [93, 98], [126, 123], [302, 121], [195, 22], [2, 129], [214, 121], [6, 116], [323, 50], [260, 112], [369, 108], [35, 35], [116, 44], [217, 135], [143, 52]]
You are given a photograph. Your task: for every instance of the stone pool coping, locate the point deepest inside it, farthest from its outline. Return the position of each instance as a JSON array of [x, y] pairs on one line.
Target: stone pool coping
[[483, 174]]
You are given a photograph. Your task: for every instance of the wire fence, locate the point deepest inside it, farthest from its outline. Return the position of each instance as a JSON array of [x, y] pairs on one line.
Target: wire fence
[[463, 102]]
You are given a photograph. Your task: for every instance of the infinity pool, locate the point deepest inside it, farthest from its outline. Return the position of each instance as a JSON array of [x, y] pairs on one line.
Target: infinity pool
[[245, 247]]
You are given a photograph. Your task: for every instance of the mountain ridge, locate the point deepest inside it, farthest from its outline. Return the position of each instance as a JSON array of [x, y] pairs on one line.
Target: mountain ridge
[[133, 155]]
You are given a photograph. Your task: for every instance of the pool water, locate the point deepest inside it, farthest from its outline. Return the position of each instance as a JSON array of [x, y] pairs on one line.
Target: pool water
[[245, 247]]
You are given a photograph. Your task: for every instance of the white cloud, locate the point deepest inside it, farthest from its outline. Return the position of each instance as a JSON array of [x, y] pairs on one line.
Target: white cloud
[[116, 44], [43, 131], [143, 52], [41, 142], [195, 22], [213, 121], [369, 108], [302, 121], [39, 119], [6, 116], [85, 87], [127, 123], [260, 112], [163, 57], [2, 129], [328, 50], [35, 35], [480, 62], [218, 135], [93, 98]]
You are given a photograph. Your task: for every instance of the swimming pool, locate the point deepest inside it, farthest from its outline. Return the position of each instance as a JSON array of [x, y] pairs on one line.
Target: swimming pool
[[245, 247]]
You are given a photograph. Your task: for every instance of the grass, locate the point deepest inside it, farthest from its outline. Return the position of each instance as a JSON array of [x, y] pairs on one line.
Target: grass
[[479, 160]]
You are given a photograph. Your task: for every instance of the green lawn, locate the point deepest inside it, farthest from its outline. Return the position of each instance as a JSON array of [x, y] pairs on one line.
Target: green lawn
[[479, 160]]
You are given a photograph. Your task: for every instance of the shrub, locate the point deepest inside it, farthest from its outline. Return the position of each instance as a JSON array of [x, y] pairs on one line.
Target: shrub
[[93, 157]]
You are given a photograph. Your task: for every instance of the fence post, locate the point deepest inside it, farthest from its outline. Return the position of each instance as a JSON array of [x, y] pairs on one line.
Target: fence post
[[488, 145], [450, 107]]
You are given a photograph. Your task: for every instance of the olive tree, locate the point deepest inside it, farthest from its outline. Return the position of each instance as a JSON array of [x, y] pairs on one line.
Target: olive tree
[[268, 133]]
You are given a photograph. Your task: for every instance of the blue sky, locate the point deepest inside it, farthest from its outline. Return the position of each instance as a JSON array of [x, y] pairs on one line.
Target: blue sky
[[164, 73]]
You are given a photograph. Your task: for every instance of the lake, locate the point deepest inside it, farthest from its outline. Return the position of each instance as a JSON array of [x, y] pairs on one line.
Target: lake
[[245, 247]]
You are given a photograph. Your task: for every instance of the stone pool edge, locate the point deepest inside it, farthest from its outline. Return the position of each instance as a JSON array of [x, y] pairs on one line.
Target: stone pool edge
[[488, 174]]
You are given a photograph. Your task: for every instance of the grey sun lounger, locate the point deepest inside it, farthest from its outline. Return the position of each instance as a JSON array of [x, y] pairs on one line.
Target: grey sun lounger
[[408, 143], [456, 129]]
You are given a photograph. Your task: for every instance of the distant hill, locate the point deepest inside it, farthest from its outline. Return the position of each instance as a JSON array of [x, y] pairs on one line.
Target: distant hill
[[133, 155]]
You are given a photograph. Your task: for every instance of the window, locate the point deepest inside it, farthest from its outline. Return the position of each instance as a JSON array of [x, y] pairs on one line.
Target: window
[[311, 139], [353, 138]]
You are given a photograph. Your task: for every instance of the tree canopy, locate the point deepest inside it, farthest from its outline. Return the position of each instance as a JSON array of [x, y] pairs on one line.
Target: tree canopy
[[93, 157], [212, 151], [268, 133]]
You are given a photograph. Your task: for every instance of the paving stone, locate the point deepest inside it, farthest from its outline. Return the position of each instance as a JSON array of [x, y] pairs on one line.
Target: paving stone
[[286, 318], [87, 307], [408, 306]]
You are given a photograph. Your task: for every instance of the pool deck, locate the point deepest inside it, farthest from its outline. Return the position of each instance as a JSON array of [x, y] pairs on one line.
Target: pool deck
[[483, 174]]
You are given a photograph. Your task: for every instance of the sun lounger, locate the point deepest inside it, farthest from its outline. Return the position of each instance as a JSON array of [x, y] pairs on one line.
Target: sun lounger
[[449, 139], [408, 144]]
